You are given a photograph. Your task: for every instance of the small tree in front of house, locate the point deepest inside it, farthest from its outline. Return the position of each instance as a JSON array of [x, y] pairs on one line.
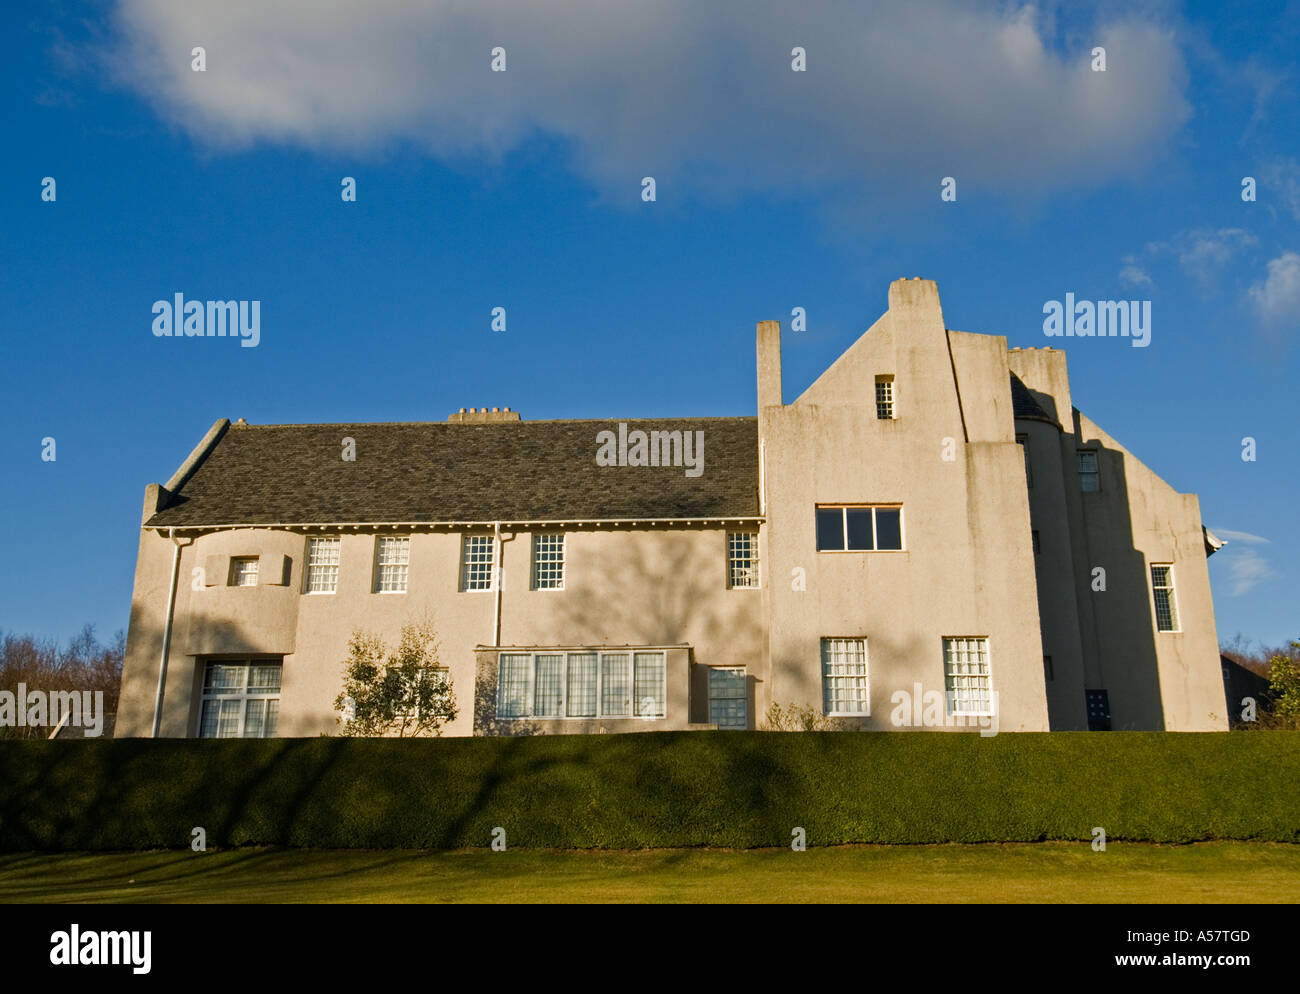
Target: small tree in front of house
[[402, 691], [1284, 687]]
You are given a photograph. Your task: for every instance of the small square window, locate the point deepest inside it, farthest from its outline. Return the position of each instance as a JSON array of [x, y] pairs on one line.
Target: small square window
[[243, 571]]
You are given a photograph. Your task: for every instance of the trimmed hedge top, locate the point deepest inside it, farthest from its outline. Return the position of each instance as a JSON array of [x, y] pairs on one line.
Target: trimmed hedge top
[[667, 789]]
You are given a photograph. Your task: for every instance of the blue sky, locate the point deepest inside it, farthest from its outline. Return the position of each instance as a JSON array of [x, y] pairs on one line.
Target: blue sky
[[521, 189]]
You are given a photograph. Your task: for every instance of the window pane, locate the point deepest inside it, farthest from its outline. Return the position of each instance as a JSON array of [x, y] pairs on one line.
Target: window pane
[[264, 678], [616, 684], [224, 678], [859, 527], [254, 719], [228, 718], [512, 685], [649, 696], [830, 529], [889, 528], [549, 696], [582, 684]]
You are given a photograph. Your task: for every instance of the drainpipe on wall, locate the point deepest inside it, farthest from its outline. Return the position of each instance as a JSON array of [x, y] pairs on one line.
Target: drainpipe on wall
[[497, 581], [167, 632]]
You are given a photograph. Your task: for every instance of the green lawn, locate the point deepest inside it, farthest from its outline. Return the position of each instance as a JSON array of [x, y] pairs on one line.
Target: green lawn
[[1030, 872]]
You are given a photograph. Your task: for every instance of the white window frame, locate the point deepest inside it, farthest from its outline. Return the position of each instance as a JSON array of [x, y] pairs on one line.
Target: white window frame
[[242, 695], [949, 694], [885, 398], [469, 541], [541, 582], [634, 706], [382, 543], [238, 574], [316, 568], [844, 526], [750, 572], [865, 676], [1175, 616], [743, 696]]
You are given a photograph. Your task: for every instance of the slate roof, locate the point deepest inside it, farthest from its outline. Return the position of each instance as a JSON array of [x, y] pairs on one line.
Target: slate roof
[[1023, 404], [447, 472]]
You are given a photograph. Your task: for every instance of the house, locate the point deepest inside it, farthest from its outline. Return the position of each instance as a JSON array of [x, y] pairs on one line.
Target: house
[[1242, 686], [929, 537]]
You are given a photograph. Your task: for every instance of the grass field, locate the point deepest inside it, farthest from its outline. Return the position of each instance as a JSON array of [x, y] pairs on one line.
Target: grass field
[[1048, 872]]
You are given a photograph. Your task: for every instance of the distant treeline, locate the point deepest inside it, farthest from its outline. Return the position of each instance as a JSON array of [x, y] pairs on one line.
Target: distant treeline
[[85, 663]]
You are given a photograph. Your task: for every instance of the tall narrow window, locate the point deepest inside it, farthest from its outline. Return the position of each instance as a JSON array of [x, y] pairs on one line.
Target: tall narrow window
[[548, 699], [967, 677], [548, 562], [885, 398], [1162, 588], [243, 571], [582, 684], [1023, 441], [477, 561], [844, 677], [742, 559], [1089, 479], [513, 684], [392, 561], [616, 684], [322, 565]]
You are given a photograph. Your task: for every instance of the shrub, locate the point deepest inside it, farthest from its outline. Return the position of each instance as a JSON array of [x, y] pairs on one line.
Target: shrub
[[662, 789]]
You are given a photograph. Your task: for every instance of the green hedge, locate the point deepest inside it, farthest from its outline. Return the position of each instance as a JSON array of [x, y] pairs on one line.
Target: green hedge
[[649, 790]]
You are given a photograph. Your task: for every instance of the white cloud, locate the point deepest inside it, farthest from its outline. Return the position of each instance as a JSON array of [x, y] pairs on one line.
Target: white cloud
[[1236, 536], [700, 94], [1280, 183], [1277, 297], [1247, 568], [1202, 253], [1134, 276]]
